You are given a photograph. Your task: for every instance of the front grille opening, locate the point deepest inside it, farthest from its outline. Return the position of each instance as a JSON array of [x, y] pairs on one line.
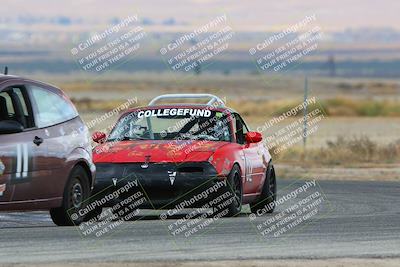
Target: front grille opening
[[190, 169]]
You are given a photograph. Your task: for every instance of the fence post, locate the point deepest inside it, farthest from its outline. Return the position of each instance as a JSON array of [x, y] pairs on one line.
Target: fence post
[[305, 112]]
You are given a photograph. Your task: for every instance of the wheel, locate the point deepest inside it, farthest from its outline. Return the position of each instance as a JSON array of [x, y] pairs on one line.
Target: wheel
[[266, 201], [94, 213], [234, 185], [76, 191]]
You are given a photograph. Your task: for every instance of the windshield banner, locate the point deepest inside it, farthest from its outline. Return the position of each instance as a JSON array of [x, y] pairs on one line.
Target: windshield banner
[[174, 112]]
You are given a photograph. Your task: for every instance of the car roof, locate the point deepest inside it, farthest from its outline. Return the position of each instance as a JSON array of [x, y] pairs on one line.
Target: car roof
[[6, 78]]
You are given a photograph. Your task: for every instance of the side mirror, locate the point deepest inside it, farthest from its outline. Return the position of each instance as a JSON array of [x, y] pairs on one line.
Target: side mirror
[[253, 137], [99, 137], [10, 127]]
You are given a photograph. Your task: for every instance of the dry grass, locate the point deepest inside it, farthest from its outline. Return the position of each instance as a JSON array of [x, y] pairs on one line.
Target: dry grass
[[345, 152], [365, 107], [251, 95], [333, 107], [90, 105]]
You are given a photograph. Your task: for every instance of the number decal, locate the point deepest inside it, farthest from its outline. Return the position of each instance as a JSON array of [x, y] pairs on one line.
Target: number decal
[[25, 160], [22, 167], [19, 162], [249, 171]]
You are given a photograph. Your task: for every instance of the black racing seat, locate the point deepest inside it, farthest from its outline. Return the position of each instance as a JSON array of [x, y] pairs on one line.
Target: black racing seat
[[3, 109], [19, 113]]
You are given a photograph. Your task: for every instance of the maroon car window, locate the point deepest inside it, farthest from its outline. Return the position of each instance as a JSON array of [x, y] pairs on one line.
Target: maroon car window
[[6, 107], [51, 108], [14, 106]]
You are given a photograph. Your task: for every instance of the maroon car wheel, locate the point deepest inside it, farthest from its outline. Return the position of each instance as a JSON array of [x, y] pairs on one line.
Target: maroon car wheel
[[75, 193]]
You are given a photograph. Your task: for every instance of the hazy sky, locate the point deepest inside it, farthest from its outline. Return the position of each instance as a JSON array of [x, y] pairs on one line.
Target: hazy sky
[[246, 15]]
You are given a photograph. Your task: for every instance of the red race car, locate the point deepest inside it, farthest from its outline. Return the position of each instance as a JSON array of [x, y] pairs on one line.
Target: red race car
[[185, 156]]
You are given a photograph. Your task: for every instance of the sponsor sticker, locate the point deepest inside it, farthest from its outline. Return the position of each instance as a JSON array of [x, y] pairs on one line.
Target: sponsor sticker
[[2, 189], [2, 167], [174, 112]]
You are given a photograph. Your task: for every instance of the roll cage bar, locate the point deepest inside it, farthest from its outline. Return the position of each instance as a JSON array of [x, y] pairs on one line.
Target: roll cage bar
[[213, 99]]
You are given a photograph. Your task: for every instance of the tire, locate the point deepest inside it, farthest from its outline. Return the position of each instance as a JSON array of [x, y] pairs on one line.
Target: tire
[[234, 185], [76, 191], [268, 193]]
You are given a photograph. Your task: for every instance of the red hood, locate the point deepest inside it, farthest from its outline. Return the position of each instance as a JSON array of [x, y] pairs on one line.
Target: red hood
[[158, 150]]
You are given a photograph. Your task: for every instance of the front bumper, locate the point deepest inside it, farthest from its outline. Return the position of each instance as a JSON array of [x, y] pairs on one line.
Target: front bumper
[[165, 185]]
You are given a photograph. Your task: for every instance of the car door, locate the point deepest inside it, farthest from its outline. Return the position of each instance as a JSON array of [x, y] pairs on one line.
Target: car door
[[254, 165], [54, 115], [22, 156]]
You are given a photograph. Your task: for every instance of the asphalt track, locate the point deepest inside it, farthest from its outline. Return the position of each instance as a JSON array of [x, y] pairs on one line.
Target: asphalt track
[[355, 220]]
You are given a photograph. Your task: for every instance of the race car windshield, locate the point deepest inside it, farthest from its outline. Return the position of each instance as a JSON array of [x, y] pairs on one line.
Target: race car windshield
[[173, 124]]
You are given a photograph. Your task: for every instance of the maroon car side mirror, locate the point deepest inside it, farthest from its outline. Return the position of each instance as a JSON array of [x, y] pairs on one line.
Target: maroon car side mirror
[[253, 137], [99, 137]]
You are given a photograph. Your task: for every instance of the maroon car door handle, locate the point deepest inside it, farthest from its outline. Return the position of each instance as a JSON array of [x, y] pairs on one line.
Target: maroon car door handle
[[37, 140]]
